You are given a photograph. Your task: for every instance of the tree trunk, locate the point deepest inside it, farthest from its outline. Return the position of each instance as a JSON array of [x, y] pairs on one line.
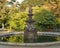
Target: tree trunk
[[2, 25]]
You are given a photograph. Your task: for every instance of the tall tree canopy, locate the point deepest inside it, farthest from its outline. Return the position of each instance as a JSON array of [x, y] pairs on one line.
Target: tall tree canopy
[[54, 6], [2, 12], [11, 16], [27, 3]]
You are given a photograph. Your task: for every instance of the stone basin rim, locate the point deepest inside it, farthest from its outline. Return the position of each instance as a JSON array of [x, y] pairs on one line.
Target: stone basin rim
[[30, 44]]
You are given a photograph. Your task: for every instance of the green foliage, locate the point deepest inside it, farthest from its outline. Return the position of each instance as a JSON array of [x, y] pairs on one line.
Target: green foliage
[[58, 38], [44, 18], [18, 39], [2, 11], [21, 21], [17, 21], [34, 2], [4, 39], [13, 0], [14, 18], [27, 3]]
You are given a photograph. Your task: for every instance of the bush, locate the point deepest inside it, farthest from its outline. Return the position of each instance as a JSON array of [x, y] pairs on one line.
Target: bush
[[44, 18]]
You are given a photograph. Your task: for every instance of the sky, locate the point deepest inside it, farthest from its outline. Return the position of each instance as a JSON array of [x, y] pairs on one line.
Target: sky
[[17, 0], [20, 0]]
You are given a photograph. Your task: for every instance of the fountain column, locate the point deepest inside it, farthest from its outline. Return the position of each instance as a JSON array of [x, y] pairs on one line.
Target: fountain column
[[30, 33]]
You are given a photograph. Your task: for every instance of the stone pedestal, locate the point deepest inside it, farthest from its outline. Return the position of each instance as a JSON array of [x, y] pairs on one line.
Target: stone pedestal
[[30, 36]]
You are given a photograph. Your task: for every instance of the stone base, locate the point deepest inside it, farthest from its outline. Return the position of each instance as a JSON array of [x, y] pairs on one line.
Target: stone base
[[30, 45]]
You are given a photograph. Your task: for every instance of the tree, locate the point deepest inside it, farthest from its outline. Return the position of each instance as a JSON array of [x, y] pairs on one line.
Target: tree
[[2, 13], [44, 18], [27, 3], [54, 5], [15, 19], [34, 2], [12, 17], [13, 0]]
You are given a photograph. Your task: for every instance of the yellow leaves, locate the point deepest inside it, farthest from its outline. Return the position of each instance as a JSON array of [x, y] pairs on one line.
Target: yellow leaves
[[58, 19], [39, 9], [16, 39], [35, 9], [58, 38]]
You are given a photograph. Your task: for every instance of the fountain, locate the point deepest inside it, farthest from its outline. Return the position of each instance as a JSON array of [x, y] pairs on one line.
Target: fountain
[[30, 33]]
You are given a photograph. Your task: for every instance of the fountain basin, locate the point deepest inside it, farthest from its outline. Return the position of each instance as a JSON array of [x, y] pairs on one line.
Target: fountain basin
[[30, 45]]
